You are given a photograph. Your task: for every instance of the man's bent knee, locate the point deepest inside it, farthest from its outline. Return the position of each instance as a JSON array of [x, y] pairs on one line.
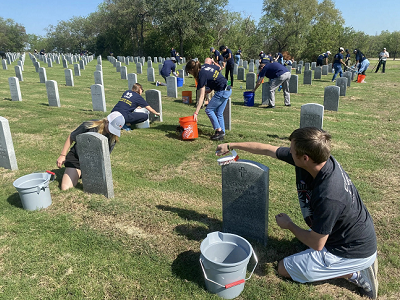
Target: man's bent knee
[[282, 270]]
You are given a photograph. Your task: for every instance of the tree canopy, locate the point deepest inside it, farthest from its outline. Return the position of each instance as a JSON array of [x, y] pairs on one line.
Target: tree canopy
[[301, 28]]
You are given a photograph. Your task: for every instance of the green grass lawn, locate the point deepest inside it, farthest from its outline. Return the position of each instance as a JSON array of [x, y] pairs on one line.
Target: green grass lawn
[[145, 242]]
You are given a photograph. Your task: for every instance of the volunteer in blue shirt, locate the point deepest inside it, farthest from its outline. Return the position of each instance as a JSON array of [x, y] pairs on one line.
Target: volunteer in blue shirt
[[322, 57], [347, 60], [168, 67], [238, 55], [262, 56], [208, 76], [363, 63], [279, 58], [229, 62], [278, 75], [217, 57], [337, 63], [130, 100]]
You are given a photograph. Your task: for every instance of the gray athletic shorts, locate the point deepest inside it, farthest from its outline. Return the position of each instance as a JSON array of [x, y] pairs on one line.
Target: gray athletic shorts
[[311, 265]]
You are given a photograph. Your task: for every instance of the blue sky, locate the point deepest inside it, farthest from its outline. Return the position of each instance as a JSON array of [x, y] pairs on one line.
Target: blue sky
[[368, 16]]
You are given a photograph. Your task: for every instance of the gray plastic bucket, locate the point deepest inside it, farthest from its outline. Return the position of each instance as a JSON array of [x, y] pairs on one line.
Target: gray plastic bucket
[[34, 190], [224, 258]]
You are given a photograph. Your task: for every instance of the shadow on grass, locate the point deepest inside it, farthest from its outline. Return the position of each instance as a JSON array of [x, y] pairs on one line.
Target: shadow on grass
[[186, 266], [193, 232], [15, 200], [8, 99]]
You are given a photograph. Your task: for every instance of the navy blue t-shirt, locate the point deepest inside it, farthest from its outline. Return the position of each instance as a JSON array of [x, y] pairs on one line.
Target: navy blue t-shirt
[[322, 56], [359, 56], [210, 76], [226, 55], [168, 66], [218, 56], [273, 70], [337, 58], [173, 53], [330, 204], [129, 102], [262, 55]]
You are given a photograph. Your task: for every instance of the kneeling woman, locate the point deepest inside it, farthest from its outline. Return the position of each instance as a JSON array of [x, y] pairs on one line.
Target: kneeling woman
[[110, 127], [210, 77], [130, 100]]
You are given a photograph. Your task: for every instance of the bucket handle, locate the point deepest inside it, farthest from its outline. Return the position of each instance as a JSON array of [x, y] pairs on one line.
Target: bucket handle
[[229, 285], [46, 183]]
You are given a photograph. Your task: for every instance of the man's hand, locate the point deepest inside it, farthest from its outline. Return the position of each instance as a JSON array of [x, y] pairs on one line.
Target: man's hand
[[283, 220]]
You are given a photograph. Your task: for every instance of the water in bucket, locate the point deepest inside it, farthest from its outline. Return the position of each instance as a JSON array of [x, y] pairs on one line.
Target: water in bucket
[[34, 190], [224, 258]]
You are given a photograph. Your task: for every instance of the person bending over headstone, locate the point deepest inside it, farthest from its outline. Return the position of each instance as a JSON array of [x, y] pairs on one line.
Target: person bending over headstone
[[167, 68], [362, 63], [341, 239], [110, 127], [322, 57], [130, 100], [278, 75], [208, 76]]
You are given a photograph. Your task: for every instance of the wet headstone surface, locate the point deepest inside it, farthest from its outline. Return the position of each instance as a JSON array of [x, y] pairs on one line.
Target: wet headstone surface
[[153, 97], [307, 79], [172, 89], [317, 72], [245, 200], [250, 81], [294, 84]]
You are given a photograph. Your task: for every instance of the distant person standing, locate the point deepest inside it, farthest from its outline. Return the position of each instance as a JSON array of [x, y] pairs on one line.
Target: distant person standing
[[382, 60], [238, 55], [347, 60], [173, 52], [322, 57], [42, 52], [362, 63], [229, 62], [337, 64]]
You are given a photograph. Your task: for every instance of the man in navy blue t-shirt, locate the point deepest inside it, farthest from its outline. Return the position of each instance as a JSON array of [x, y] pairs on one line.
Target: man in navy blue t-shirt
[[341, 239], [278, 75], [217, 57], [167, 68]]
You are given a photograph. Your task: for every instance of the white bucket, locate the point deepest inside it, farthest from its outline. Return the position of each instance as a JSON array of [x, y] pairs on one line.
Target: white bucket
[[34, 190], [224, 258], [145, 124]]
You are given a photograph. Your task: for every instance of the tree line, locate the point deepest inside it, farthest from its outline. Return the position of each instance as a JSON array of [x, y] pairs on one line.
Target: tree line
[[302, 28]]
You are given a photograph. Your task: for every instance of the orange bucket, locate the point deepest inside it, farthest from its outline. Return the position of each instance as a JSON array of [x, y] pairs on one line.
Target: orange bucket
[[187, 97], [189, 126]]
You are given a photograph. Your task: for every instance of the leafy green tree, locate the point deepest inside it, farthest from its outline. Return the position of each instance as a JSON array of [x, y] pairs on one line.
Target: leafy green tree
[[13, 36]]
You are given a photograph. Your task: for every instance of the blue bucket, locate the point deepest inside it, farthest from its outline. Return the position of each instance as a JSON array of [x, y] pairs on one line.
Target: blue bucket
[[248, 98], [179, 82]]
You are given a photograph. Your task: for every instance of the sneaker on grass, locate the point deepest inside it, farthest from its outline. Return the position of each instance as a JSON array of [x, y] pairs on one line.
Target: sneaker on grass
[[218, 136], [367, 280]]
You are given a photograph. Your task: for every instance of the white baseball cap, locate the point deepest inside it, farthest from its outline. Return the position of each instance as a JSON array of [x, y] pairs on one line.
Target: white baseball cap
[[329, 52], [115, 122]]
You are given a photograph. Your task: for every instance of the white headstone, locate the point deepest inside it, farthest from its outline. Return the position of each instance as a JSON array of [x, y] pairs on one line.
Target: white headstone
[[7, 154], [98, 97], [15, 90], [52, 93]]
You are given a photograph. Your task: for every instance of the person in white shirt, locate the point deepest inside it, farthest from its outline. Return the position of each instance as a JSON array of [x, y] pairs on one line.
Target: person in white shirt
[[382, 60]]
